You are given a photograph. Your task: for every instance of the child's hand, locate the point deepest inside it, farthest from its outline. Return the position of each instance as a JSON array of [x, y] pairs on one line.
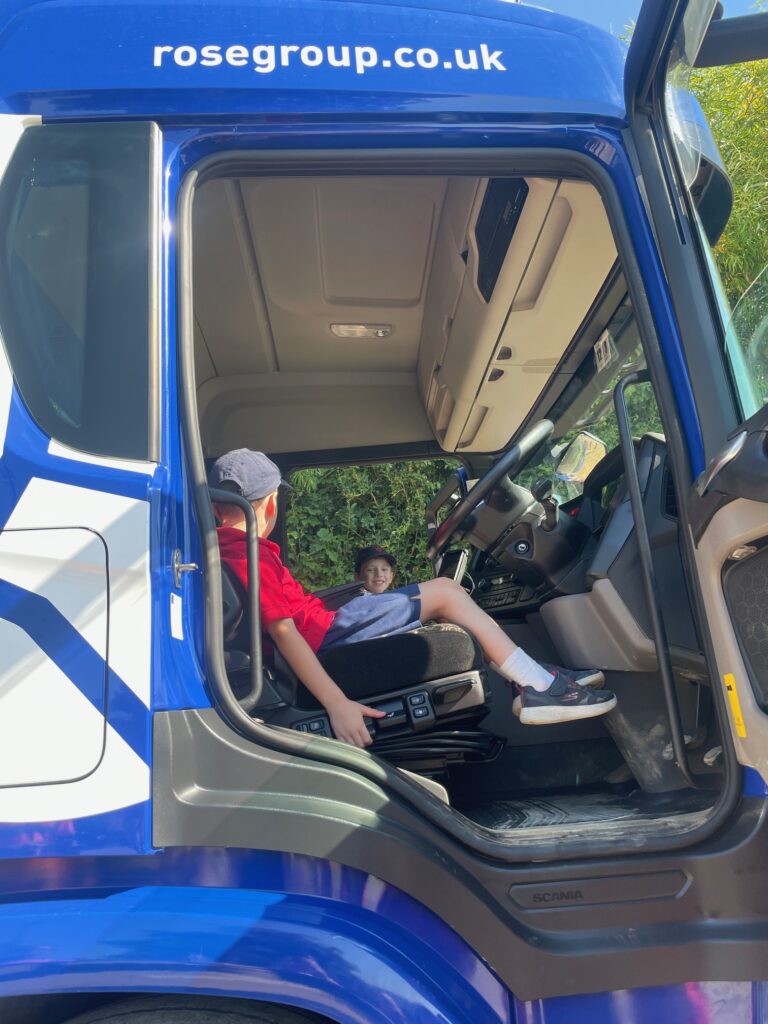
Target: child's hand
[[347, 721]]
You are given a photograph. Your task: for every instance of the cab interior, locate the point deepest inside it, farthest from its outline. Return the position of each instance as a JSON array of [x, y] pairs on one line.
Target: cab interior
[[345, 319]]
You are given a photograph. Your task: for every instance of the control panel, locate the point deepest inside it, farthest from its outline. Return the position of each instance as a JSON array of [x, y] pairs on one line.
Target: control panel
[[502, 591], [412, 711]]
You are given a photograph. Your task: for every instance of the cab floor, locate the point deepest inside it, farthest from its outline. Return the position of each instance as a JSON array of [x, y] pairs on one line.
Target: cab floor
[[506, 814]]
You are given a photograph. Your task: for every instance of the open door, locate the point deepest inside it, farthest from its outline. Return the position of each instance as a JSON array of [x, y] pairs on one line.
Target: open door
[[681, 51]]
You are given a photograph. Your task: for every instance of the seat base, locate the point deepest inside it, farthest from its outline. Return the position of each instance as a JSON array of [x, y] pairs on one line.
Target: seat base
[[374, 668]]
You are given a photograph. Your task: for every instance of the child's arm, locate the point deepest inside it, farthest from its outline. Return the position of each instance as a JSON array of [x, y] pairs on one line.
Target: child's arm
[[346, 715]]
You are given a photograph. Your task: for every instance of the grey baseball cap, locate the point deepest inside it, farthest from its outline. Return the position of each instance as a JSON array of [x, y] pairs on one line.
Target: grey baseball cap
[[254, 474]]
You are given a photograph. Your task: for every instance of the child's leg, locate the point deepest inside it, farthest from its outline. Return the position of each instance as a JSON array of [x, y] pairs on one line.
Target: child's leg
[[546, 698], [443, 599]]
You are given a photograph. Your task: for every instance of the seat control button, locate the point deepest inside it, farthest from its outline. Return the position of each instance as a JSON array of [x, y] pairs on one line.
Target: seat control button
[[417, 698]]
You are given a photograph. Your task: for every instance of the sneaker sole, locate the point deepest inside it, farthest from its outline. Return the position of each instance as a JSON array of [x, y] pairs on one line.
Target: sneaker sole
[[555, 714]]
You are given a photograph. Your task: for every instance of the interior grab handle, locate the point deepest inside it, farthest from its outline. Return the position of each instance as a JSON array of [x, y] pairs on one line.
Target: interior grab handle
[[254, 618], [648, 572]]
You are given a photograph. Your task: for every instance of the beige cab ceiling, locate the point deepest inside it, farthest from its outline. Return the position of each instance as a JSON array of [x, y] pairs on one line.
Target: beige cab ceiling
[[279, 262]]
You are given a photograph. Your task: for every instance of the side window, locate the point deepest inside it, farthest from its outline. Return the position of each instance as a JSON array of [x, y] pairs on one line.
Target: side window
[[725, 172], [334, 511], [78, 237]]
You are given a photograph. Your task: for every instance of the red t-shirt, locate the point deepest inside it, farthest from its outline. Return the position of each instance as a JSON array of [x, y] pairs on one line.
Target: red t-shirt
[[280, 596]]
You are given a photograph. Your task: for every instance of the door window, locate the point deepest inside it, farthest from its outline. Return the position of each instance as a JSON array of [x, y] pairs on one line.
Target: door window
[[77, 242]]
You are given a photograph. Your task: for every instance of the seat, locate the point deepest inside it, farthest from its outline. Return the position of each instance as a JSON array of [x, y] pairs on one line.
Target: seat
[[373, 667], [430, 682]]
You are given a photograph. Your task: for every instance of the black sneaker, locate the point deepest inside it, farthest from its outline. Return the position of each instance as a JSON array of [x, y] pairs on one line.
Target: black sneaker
[[563, 702], [581, 677]]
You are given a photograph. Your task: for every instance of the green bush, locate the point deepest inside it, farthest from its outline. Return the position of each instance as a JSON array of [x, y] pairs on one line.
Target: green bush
[[735, 102], [332, 512]]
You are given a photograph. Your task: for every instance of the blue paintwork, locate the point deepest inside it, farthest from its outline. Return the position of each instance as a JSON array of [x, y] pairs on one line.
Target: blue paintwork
[[85, 58], [290, 929], [118, 833], [754, 784], [261, 925]]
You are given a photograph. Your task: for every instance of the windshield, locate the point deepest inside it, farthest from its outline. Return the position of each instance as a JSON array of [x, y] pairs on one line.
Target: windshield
[[586, 406]]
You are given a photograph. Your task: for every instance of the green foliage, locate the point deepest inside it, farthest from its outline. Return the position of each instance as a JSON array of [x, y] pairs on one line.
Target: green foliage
[[735, 102], [332, 512]]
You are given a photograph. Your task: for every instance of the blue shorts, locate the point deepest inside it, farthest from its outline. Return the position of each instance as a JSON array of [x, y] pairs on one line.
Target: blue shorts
[[371, 616]]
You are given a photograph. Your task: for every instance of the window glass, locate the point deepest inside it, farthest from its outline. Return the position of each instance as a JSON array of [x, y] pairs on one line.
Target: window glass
[[586, 408], [333, 511], [717, 119], [76, 244]]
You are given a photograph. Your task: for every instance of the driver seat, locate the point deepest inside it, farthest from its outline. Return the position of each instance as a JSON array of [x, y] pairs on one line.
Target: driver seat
[[430, 682]]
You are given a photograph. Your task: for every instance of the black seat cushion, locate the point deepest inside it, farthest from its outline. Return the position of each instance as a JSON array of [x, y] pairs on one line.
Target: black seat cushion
[[371, 667]]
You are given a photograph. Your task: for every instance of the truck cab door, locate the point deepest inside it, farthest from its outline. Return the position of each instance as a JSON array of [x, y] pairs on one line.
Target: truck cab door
[[680, 49], [79, 445]]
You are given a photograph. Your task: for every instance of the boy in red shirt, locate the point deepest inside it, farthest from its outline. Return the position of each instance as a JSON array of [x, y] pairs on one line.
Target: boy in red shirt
[[300, 625]]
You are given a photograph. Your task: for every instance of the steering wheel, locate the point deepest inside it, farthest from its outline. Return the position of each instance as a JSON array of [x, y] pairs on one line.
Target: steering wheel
[[446, 532]]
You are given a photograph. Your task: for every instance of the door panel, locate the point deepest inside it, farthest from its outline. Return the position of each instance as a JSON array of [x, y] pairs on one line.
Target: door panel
[[688, 172], [79, 244], [53, 584], [739, 524]]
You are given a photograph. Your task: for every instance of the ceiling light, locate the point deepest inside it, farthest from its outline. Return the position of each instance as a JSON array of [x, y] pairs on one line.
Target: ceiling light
[[361, 330]]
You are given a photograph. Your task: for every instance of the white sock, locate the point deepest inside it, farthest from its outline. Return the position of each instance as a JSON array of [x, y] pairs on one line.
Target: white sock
[[524, 671]]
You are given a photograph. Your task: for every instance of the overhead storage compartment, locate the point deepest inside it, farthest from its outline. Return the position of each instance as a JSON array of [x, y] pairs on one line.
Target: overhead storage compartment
[[503, 338]]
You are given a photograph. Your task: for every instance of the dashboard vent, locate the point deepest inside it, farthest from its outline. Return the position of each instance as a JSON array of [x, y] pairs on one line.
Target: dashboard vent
[[669, 498]]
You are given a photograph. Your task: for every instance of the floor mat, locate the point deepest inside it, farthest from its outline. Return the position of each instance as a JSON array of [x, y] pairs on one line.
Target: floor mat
[[573, 808]]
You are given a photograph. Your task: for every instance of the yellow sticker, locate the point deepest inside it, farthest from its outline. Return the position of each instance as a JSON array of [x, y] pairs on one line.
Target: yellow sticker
[[733, 698]]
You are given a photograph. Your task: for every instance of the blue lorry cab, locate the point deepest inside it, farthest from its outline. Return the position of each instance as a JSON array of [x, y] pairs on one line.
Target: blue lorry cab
[[351, 233]]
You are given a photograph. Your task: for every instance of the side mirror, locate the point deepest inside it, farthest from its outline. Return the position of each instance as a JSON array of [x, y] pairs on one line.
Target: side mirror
[[580, 458]]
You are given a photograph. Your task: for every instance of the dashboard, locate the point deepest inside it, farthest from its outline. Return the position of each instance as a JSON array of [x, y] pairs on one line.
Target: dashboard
[[594, 552]]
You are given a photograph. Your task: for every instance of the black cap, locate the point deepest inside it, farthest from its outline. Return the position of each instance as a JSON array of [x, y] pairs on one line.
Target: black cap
[[374, 551], [253, 473]]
